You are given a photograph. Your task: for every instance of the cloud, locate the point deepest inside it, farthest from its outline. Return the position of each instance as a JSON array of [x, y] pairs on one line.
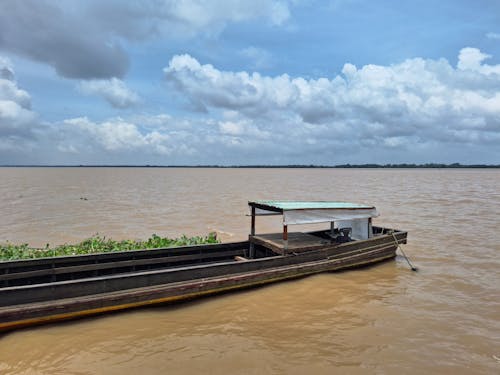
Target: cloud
[[243, 129], [61, 36], [495, 36], [182, 19], [6, 70], [113, 136], [84, 40], [16, 116], [8, 86], [472, 59], [113, 90], [24, 139], [414, 102], [205, 86], [425, 110]]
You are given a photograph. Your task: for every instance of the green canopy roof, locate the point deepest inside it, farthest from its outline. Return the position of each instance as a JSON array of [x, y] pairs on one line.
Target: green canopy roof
[[280, 206]]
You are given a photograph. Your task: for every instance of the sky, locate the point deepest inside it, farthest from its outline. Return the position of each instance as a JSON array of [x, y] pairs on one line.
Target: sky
[[203, 82]]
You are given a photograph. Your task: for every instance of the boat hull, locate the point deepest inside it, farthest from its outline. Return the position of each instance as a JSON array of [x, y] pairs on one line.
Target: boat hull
[[27, 305]]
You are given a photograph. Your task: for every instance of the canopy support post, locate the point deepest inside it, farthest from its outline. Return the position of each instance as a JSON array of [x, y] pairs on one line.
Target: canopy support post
[[252, 233], [285, 239]]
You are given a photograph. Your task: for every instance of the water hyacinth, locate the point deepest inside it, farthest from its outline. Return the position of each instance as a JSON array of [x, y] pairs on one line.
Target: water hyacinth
[[98, 244]]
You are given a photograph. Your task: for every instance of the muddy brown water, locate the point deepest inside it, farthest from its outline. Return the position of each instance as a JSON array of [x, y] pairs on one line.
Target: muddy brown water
[[444, 319]]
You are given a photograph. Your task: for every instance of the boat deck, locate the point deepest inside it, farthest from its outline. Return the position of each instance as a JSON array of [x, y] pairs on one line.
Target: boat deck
[[297, 242]]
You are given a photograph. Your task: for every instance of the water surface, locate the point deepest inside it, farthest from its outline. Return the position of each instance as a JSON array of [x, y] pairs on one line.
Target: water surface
[[445, 319]]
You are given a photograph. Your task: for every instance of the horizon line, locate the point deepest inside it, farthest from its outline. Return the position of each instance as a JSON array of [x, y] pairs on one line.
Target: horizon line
[[340, 166]]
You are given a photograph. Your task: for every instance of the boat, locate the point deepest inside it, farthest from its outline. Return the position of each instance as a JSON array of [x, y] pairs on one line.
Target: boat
[[45, 290]]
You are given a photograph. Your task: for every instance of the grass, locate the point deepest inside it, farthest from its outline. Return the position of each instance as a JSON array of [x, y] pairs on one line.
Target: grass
[[98, 244]]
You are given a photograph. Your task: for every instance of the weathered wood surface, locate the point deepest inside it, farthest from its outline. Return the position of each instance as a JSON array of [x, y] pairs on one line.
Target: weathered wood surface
[[98, 303], [51, 262], [297, 242], [36, 304], [43, 270], [165, 261]]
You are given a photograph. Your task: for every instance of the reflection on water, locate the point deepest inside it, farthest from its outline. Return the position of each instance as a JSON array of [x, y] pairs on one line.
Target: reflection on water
[[383, 319]]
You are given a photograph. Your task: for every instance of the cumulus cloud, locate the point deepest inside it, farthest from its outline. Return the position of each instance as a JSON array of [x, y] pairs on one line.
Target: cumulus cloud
[[243, 129], [426, 110], [113, 90], [16, 116], [414, 102], [25, 139], [207, 86], [142, 139], [158, 139], [472, 59], [84, 39], [113, 136]]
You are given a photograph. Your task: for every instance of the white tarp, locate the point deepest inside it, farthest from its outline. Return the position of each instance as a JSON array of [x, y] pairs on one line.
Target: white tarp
[[261, 212], [326, 215], [361, 228]]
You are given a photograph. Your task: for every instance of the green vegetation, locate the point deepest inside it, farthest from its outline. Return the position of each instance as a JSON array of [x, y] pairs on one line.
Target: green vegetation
[[98, 244]]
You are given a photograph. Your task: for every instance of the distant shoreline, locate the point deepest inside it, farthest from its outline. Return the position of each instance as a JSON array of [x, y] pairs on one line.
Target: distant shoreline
[[339, 166]]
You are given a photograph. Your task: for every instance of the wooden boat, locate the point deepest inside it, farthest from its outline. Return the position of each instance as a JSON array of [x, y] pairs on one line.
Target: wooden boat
[[59, 288]]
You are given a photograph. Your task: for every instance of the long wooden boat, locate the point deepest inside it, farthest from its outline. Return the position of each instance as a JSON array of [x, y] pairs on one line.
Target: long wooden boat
[[51, 289]]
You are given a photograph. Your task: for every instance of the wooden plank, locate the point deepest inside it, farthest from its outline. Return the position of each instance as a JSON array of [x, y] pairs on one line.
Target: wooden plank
[[297, 242], [120, 264], [50, 262]]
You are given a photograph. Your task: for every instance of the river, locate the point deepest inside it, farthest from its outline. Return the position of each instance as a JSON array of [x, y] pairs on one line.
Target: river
[[443, 319]]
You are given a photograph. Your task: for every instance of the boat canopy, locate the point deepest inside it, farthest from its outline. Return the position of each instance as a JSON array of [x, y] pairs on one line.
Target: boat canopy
[[310, 212]]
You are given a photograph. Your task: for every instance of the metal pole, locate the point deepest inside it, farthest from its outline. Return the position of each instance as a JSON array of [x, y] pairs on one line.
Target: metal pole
[[412, 267]]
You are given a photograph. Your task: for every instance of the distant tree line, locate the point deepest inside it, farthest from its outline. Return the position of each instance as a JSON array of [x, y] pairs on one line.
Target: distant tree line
[[427, 165], [370, 165]]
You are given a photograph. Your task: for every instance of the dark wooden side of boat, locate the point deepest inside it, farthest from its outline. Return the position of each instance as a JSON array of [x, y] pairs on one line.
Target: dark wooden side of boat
[[23, 305], [52, 269]]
